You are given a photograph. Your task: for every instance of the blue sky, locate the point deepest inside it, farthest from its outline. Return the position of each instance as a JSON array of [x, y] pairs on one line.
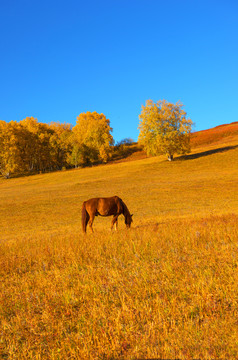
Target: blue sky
[[61, 58]]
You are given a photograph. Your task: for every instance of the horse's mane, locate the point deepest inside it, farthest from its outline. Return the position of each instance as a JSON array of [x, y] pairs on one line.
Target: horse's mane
[[125, 209]]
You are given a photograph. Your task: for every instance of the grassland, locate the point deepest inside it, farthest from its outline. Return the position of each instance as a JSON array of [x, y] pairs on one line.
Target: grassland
[[167, 288]]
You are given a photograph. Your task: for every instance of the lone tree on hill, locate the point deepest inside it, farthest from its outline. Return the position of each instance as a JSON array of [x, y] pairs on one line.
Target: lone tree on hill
[[164, 129]]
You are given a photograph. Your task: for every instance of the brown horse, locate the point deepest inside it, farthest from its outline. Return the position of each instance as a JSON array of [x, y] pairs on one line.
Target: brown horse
[[104, 207]]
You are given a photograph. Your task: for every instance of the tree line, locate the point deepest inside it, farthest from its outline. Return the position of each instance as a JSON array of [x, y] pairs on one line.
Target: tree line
[[30, 146]]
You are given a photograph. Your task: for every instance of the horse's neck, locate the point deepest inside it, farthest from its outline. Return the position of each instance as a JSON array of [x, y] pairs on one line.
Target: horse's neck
[[125, 209]]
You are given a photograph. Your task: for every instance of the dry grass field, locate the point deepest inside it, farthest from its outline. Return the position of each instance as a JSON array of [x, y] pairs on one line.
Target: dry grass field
[[167, 288]]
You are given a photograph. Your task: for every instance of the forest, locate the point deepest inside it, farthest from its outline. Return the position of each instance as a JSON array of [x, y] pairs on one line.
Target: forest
[[29, 146]]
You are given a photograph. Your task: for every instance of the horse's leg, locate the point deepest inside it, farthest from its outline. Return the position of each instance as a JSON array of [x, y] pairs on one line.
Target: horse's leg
[[87, 220], [114, 222], [90, 222]]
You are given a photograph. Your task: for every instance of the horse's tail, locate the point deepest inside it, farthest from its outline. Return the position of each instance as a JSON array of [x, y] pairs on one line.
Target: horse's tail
[[84, 218]]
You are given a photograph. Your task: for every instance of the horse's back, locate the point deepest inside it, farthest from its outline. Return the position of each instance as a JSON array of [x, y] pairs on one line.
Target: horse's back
[[108, 206], [104, 206], [112, 199]]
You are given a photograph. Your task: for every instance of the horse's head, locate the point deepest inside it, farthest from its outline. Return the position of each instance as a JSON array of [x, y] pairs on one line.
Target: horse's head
[[128, 220]]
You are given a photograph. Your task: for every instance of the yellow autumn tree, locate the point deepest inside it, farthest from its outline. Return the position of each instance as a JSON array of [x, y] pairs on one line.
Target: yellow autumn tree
[[60, 144], [38, 147], [11, 159], [32, 145], [92, 138], [164, 128]]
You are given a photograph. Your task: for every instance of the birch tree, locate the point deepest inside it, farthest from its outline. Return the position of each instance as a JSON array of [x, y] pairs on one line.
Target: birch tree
[[164, 129]]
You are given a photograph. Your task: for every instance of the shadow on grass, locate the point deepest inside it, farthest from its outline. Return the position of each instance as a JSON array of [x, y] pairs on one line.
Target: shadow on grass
[[206, 153]]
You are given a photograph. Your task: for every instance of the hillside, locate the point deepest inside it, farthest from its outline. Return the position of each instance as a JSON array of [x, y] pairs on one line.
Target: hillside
[[227, 133], [167, 288], [217, 137], [42, 200]]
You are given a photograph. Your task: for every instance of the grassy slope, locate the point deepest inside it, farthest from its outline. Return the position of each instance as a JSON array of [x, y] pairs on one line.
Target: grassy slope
[[219, 134], [166, 288]]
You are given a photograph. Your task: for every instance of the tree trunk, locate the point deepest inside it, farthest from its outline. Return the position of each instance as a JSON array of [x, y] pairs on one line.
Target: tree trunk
[[170, 157], [6, 175]]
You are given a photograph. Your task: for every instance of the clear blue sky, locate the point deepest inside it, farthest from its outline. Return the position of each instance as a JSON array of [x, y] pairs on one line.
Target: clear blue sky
[[61, 58]]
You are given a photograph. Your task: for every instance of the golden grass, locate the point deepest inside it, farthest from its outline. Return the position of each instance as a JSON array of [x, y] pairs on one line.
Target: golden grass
[[227, 132], [165, 289]]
